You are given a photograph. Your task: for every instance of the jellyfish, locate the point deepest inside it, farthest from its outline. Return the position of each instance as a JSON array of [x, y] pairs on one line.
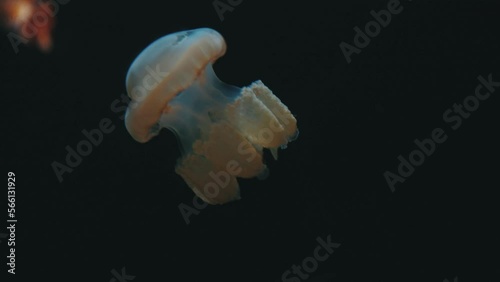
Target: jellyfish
[[221, 129]]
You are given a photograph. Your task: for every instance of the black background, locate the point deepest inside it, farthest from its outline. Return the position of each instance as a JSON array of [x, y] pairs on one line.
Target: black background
[[119, 207]]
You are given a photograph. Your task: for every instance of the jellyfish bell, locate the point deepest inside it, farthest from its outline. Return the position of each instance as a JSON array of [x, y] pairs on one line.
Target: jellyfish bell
[[164, 69], [222, 129]]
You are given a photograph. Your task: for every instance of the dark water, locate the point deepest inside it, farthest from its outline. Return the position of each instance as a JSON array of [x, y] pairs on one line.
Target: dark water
[[115, 214]]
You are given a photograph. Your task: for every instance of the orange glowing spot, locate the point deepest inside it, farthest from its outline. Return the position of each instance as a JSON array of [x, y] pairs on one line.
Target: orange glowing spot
[[32, 21]]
